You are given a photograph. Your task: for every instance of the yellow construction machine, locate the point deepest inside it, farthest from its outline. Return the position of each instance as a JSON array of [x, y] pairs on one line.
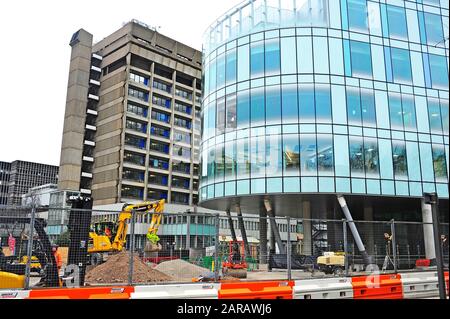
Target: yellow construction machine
[[332, 263], [109, 237]]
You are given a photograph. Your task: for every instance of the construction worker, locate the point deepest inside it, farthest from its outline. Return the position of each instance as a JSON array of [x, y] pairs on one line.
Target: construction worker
[[58, 257], [388, 239]]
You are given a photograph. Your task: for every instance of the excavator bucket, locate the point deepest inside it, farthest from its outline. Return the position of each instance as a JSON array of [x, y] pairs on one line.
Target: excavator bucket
[[237, 273], [151, 247]]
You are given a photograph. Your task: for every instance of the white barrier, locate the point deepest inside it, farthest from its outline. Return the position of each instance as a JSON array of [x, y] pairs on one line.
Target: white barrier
[[186, 291], [420, 285], [14, 294], [327, 288]]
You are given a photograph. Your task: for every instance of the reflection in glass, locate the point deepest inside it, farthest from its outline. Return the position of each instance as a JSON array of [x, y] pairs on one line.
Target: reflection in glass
[[371, 163], [291, 155], [356, 157], [258, 156], [308, 154], [273, 105], [306, 104], [274, 162], [325, 155], [399, 160], [439, 163], [242, 159]]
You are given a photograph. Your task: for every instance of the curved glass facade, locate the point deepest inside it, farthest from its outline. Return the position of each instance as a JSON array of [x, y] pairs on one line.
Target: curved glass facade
[[319, 96]]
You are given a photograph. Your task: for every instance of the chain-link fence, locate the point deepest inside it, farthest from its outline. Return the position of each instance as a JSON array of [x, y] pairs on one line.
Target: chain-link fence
[[59, 247]]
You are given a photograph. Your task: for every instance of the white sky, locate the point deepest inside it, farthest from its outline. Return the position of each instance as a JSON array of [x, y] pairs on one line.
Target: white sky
[[35, 53]]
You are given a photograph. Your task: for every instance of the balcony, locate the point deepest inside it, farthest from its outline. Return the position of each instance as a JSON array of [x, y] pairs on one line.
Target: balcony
[[93, 97]]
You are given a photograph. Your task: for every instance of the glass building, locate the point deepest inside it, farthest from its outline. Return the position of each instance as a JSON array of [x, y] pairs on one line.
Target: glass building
[[307, 99]]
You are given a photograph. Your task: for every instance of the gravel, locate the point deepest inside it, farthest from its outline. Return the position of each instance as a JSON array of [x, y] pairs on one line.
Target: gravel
[[115, 270], [181, 270]]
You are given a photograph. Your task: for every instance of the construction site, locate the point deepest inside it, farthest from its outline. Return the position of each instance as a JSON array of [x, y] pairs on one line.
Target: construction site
[[98, 253]]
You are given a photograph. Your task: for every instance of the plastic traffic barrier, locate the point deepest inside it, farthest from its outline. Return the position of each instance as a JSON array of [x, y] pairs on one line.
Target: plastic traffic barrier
[[327, 288], [14, 294], [257, 290], [420, 285], [185, 291], [123, 292], [377, 287]]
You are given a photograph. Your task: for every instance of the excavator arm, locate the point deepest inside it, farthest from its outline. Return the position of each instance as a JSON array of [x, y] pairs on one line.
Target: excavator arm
[[142, 208]]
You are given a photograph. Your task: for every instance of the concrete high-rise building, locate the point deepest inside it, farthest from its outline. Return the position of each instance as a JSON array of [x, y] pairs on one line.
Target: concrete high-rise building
[[18, 177], [307, 100], [132, 121]]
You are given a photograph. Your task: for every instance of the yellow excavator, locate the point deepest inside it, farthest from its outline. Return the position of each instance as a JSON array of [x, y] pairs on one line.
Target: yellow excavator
[[109, 237]]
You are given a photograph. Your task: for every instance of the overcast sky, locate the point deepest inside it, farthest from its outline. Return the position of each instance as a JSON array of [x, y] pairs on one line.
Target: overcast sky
[[35, 53]]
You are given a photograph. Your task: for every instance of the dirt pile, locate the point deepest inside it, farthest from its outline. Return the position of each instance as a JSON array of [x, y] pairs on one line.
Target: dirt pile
[[181, 270], [115, 270]]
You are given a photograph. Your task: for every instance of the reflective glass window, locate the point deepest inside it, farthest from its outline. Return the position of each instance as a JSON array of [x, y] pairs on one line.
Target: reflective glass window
[[395, 112], [399, 159], [220, 163], [243, 109], [242, 159], [371, 163], [272, 57], [409, 113], [368, 108], [307, 113], [289, 103], [288, 56], [291, 155], [361, 59], [231, 112], [397, 22], [434, 114], [445, 117], [257, 59], [353, 107], [357, 15], [433, 26], [308, 154], [231, 68], [356, 147], [257, 107], [325, 155], [211, 163], [439, 71], [258, 156], [230, 160], [274, 160], [273, 105], [220, 123], [401, 65], [243, 62], [439, 164], [323, 104], [221, 71]]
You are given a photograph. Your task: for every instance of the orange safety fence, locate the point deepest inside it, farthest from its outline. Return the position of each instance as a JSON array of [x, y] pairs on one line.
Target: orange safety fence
[[122, 292], [257, 290], [377, 287]]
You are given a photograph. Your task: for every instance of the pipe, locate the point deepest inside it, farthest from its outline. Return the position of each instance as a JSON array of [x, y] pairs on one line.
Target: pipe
[[274, 227], [366, 258]]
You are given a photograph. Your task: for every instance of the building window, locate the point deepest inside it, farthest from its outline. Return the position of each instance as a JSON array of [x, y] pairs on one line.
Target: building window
[[439, 163], [371, 163], [161, 101], [156, 195], [395, 112], [158, 163], [242, 159], [162, 86], [356, 157], [433, 26], [325, 155], [182, 122], [181, 151], [162, 117], [181, 167], [397, 22], [434, 115], [243, 109], [409, 113], [183, 93], [439, 71], [401, 65], [133, 175], [357, 15], [134, 158], [135, 141], [231, 67], [230, 160], [159, 147], [183, 108], [180, 182], [308, 154], [136, 126], [273, 102], [180, 198], [257, 59], [139, 78], [157, 179], [323, 104], [140, 95], [182, 137], [220, 122], [307, 112], [272, 57], [160, 131], [399, 160], [291, 155], [132, 192], [138, 110], [230, 112], [361, 59]]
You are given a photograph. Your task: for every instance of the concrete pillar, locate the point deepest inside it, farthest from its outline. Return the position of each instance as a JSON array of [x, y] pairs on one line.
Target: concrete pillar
[[427, 217], [263, 237], [307, 229], [242, 229], [368, 230]]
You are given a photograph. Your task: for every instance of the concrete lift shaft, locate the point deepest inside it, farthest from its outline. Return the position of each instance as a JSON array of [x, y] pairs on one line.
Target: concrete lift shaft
[[366, 258]]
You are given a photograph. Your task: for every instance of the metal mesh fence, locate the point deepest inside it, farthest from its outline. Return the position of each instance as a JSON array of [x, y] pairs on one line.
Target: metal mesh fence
[[98, 248]]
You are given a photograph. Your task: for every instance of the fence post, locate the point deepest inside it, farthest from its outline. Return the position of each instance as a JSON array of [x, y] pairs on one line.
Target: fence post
[[288, 248], [216, 248], [394, 245], [344, 232], [130, 268], [30, 248]]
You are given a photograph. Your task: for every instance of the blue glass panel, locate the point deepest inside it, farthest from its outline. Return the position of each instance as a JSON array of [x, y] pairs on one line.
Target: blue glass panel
[[433, 25], [373, 186], [341, 156], [307, 113], [395, 112], [357, 15], [353, 107], [230, 189], [289, 104], [257, 59], [343, 185], [326, 185], [384, 21], [272, 57], [401, 188], [438, 69], [397, 22], [288, 56], [347, 58], [358, 186], [257, 109], [426, 67], [243, 109], [387, 56], [434, 114], [231, 67], [401, 65], [273, 105], [291, 185], [308, 154], [426, 162], [274, 185], [243, 62], [309, 184], [344, 14], [387, 188], [409, 113], [243, 187], [368, 108], [258, 186], [323, 104], [423, 34], [361, 59]]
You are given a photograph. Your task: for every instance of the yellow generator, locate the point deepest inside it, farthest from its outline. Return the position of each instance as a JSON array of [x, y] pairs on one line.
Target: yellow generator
[[11, 281], [332, 263]]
